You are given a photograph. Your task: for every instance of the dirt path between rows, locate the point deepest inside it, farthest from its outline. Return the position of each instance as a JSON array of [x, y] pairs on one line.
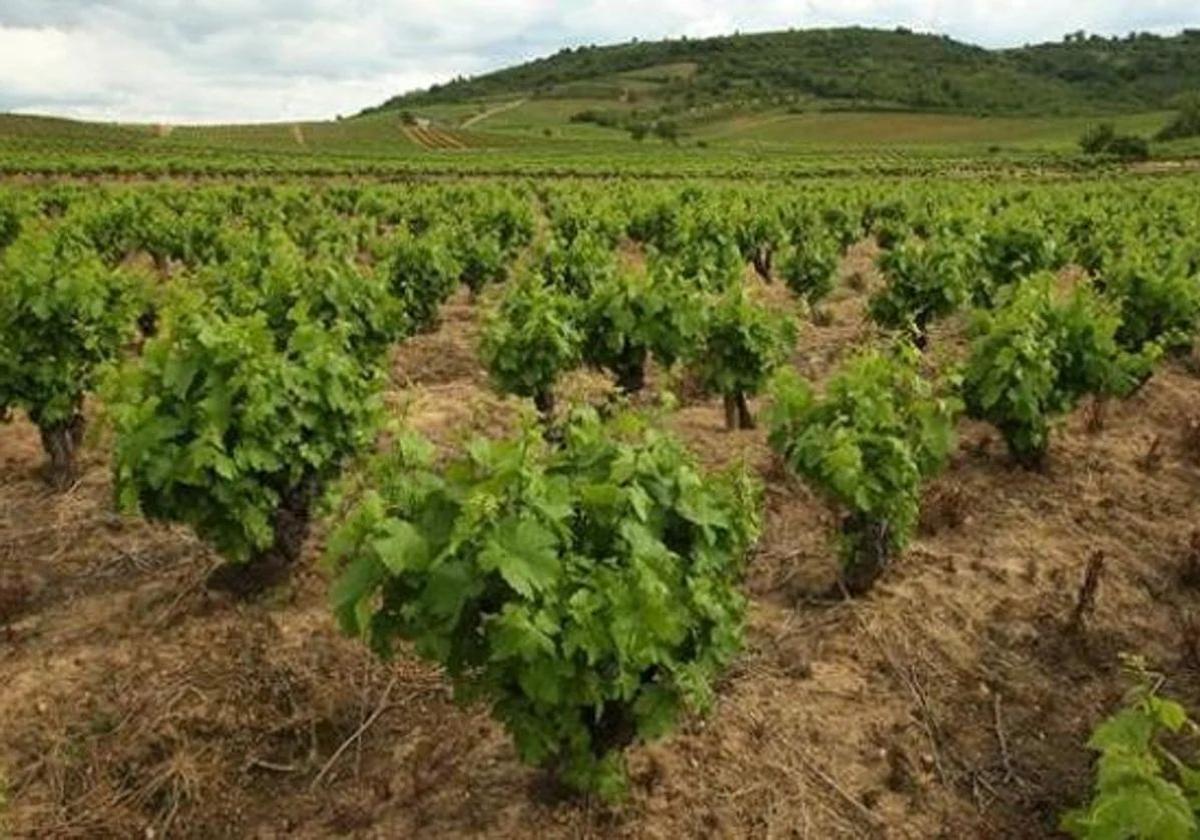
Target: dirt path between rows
[[491, 112]]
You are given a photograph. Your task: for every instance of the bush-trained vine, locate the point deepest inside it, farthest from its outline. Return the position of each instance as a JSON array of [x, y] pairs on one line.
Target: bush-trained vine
[[741, 345], [1012, 251], [1142, 789], [267, 273], [634, 316], [712, 264], [926, 281], [264, 380], [840, 224], [222, 426], [577, 268], [10, 225], [760, 235], [423, 273], [888, 222], [574, 215], [115, 230], [483, 260], [63, 315], [809, 268], [1035, 357], [530, 340], [587, 592], [1159, 302], [867, 444]]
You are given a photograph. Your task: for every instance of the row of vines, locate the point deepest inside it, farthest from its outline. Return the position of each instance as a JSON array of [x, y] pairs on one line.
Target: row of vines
[[581, 576]]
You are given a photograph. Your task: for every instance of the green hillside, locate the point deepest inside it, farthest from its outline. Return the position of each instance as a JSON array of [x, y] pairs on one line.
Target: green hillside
[[375, 135], [872, 129], [742, 102], [851, 68]]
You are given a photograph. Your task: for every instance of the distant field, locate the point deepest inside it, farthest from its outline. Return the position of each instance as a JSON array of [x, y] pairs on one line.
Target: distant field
[[548, 120], [872, 129], [17, 130], [536, 136], [532, 116], [828, 130], [377, 134]]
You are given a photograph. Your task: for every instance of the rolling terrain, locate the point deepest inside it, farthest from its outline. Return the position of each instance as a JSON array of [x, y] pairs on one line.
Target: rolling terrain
[[847, 69], [833, 92]]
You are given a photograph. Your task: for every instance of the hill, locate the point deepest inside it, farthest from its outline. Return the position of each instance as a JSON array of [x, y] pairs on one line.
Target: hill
[[851, 68], [732, 102], [372, 136]]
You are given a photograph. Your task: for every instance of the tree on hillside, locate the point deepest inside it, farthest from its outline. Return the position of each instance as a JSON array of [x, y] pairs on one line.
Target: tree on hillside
[[667, 130], [1096, 138], [1186, 122], [1103, 139]]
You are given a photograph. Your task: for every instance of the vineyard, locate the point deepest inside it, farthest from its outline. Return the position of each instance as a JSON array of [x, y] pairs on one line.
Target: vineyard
[[858, 506]]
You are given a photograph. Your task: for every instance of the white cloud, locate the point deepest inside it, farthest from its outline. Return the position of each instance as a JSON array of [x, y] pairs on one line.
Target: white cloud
[[241, 60]]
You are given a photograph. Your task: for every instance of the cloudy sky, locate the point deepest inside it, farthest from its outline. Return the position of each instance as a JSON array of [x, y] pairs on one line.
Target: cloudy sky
[[246, 60]]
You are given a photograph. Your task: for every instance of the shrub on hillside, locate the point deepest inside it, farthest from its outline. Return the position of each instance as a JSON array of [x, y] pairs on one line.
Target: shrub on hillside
[[1103, 139], [1186, 122]]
